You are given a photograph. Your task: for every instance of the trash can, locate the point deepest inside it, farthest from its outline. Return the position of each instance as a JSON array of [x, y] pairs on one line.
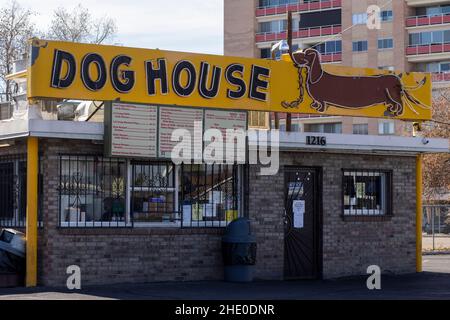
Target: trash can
[[12, 252], [239, 251]]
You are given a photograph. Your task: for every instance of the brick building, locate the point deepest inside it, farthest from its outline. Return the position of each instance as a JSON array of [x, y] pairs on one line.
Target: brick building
[[358, 193]]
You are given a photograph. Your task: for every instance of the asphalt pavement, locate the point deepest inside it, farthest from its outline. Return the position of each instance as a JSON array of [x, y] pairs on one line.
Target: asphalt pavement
[[433, 283]]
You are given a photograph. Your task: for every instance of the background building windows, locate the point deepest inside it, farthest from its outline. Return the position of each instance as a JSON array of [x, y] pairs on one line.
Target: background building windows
[[385, 43], [360, 46], [329, 47], [323, 127], [273, 3], [367, 192], [276, 26], [386, 15], [265, 53], [359, 18], [362, 128], [431, 37], [386, 128]]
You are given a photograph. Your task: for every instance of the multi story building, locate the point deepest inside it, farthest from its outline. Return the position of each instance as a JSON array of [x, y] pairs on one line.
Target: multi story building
[[414, 36]]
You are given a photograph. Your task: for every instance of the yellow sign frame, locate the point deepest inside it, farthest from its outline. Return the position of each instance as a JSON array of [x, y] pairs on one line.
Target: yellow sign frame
[[64, 70]]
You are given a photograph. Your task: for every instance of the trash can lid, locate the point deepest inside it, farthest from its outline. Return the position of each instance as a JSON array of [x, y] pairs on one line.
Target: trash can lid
[[238, 231]]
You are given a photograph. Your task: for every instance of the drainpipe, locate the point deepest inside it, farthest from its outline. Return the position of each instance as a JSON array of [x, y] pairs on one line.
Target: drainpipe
[[419, 213]]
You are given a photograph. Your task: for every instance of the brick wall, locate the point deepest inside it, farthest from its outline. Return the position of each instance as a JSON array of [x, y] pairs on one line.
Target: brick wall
[[119, 255], [349, 247]]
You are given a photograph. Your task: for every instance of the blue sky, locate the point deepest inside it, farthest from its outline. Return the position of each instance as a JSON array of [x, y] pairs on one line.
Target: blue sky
[[192, 26]]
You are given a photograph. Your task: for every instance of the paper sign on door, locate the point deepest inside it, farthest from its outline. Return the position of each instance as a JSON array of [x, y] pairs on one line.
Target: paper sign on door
[[298, 208]]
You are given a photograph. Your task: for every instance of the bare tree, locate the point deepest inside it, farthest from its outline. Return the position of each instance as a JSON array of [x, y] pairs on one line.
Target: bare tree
[[436, 173], [15, 30], [78, 25]]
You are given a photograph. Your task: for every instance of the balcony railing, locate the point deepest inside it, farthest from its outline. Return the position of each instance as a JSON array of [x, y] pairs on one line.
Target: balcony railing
[[427, 20], [331, 57], [427, 49], [298, 7], [300, 33], [440, 77]]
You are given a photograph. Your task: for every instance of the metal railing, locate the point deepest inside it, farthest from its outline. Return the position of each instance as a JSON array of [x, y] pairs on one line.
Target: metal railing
[[440, 76], [298, 7], [13, 191], [428, 48], [426, 20], [300, 33], [436, 227]]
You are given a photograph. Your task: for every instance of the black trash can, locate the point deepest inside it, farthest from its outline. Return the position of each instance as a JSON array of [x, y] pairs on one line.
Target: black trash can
[[239, 251]]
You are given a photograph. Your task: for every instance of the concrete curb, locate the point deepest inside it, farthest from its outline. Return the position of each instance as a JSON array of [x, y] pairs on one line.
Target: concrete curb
[[435, 253]]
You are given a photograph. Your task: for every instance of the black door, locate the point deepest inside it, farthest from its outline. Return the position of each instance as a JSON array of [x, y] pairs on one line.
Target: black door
[[302, 249]]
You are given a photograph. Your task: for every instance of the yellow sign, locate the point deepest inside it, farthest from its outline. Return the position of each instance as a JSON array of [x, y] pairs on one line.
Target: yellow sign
[[63, 70]]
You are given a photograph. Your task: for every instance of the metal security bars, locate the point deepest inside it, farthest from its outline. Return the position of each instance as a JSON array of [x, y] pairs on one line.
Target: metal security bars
[[106, 192], [153, 192], [92, 192], [209, 195], [367, 192], [13, 191]]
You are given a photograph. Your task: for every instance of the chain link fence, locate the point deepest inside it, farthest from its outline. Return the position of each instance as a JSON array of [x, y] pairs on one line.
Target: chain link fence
[[436, 227]]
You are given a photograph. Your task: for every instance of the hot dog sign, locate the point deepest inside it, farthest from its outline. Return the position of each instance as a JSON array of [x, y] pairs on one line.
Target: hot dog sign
[[299, 83]]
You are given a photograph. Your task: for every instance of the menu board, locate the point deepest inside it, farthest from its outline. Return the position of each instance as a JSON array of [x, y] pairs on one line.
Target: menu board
[[172, 118], [134, 130], [224, 120]]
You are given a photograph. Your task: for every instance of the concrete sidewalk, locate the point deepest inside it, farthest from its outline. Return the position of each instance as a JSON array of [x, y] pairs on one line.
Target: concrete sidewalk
[[432, 284]]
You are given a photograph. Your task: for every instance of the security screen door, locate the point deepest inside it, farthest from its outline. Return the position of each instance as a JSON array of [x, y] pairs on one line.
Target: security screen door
[[302, 224]]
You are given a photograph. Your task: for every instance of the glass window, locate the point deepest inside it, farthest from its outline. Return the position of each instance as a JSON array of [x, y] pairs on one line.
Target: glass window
[[323, 127], [386, 15], [339, 46], [386, 128], [433, 11], [362, 128], [266, 53], [445, 67], [209, 195], [425, 38], [359, 18], [438, 37], [360, 46], [92, 192], [153, 192], [331, 46], [414, 39], [447, 36], [367, 192], [385, 43]]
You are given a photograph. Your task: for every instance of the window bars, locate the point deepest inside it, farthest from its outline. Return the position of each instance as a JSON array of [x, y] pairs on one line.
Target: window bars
[[92, 192], [13, 191], [107, 192], [367, 192]]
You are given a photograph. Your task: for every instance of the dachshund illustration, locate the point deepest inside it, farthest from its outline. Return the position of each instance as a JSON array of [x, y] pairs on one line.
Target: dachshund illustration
[[352, 92]]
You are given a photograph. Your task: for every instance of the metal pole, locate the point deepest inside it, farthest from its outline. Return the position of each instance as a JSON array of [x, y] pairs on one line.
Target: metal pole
[[419, 213], [432, 224], [32, 211]]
